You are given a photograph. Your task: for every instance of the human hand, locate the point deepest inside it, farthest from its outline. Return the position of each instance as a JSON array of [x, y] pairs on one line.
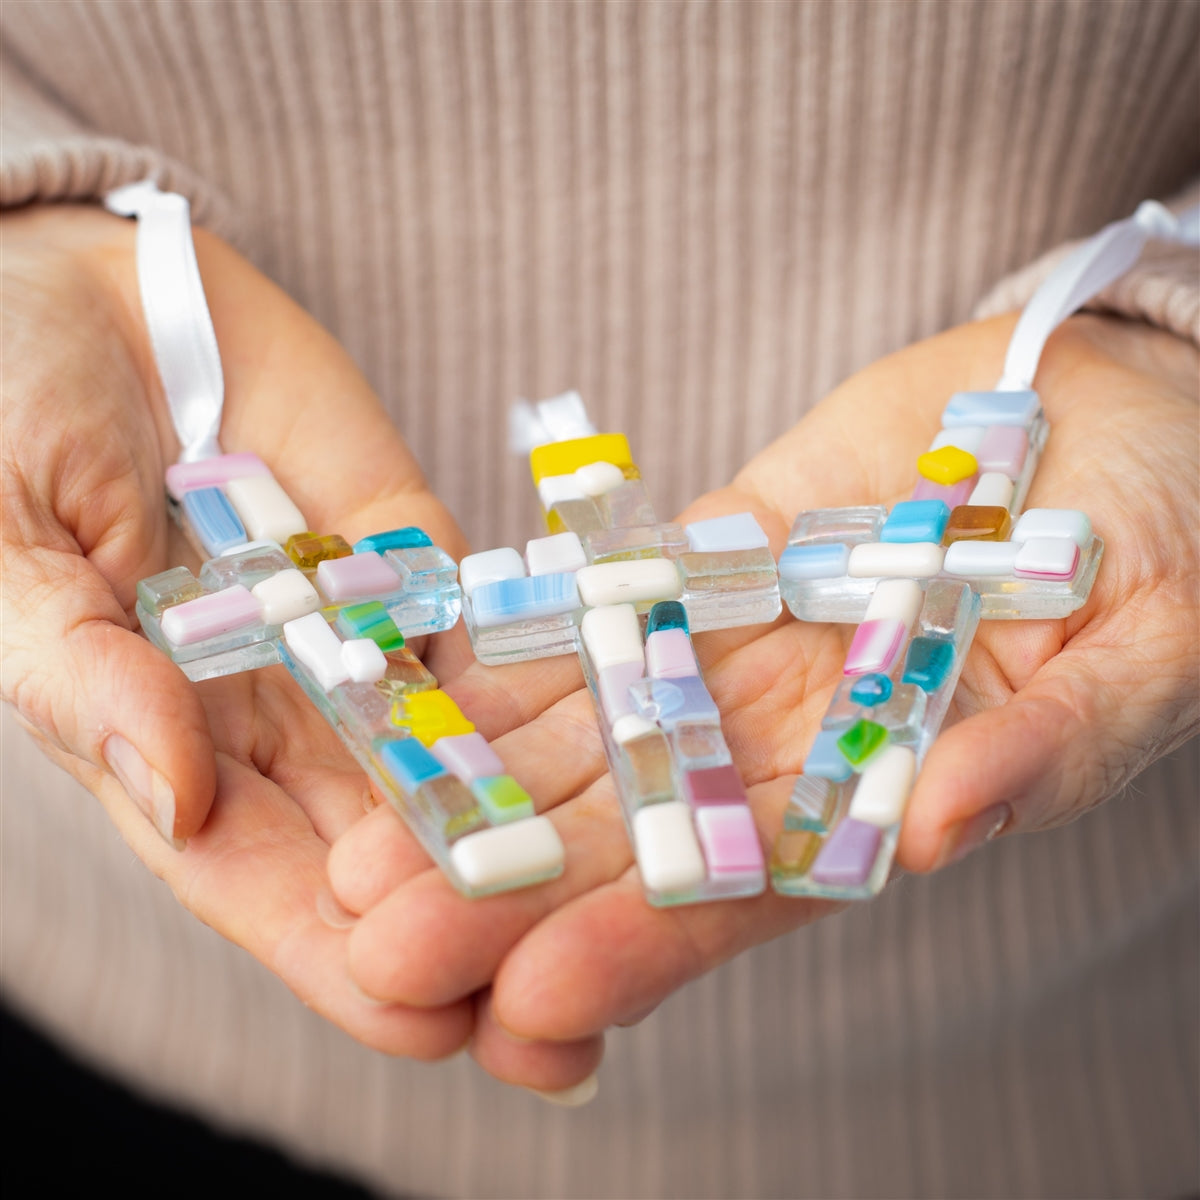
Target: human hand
[[1053, 716], [243, 768]]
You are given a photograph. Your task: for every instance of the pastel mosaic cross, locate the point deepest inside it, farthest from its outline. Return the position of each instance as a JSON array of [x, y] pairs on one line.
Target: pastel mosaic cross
[[626, 592], [337, 616], [919, 579]]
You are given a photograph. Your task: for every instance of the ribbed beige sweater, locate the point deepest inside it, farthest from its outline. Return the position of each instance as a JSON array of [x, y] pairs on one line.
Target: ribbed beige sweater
[[703, 216]]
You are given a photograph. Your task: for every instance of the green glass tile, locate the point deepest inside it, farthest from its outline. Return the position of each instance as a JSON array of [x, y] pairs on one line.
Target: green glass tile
[[502, 798], [370, 620], [861, 741]]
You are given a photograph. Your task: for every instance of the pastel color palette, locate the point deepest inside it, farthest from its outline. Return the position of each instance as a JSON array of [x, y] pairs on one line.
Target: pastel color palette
[[363, 660], [874, 647], [356, 577], [489, 566], [408, 762], [825, 760], [991, 408], [505, 855], [909, 560], [870, 690], [211, 615], [951, 496], [669, 654], [265, 508], [502, 798], [468, 755], [883, 790], [1053, 523], [212, 472], [635, 582], [738, 532], [980, 559], [613, 684], [1003, 449], [668, 851], [285, 596], [993, 489], [315, 645], [729, 839], [849, 853], [509, 600], [1046, 558], [556, 554], [612, 635], [814, 562]]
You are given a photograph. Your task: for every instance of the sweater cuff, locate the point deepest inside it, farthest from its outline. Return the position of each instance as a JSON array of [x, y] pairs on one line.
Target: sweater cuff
[[48, 153], [1162, 288]]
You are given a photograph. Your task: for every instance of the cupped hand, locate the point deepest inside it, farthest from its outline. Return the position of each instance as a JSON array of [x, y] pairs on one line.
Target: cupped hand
[[1051, 717], [231, 790]]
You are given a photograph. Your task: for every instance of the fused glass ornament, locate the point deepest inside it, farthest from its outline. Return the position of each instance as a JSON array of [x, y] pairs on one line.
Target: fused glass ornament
[[917, 581], [337, 616], [629, 611]]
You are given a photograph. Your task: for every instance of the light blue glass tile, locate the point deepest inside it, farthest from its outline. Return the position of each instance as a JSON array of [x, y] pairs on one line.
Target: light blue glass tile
[[509, 600], [408, 762], [814, 562], [825, 760], [213, 520], [916, 521], [991, 408], [737, 532]]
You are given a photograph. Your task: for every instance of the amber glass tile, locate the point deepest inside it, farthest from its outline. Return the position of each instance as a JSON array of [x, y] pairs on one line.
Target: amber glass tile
[[977, 523], [306, 550], [794, 852]]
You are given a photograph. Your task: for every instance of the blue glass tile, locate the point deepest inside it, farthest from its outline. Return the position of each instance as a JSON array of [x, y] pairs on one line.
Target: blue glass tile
[[871, 690], [737, 532], [916, 521], [408, 762], [825, 760], [509, 600], [928, 663], [667, 614], [408, 538], [213, 520], [814, 562], [991, 408]]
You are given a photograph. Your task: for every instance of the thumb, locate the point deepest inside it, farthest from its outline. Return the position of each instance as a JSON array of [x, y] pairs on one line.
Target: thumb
[[98, 695], [1022, 766]]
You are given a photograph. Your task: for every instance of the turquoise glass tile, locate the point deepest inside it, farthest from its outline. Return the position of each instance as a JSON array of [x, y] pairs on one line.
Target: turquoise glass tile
[[408, 538], [871, 690], [667, 614], [928, 663]]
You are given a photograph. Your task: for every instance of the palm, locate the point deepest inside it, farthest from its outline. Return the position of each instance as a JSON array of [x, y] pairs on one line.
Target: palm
[[571, 957]]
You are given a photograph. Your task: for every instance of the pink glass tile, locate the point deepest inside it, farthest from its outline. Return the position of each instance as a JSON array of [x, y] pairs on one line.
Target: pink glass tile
[[207, 616], [953, 495], [729, 840], [713, 785], [874, 648], [357, 575], [212, 472], [613, 685], [1003, 449], [468, 755], [669, 655]]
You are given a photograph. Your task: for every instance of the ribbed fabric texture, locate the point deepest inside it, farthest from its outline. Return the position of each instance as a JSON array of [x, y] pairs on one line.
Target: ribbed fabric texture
[[703, 216]]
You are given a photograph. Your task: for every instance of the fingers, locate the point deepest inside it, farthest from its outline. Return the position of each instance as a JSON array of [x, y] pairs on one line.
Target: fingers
[[564, 1069], [96, 691]]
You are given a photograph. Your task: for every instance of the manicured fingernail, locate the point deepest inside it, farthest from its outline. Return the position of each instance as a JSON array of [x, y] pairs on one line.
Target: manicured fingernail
[[331, 910], [974, 832], [582, 1093], [149, 790], [636, 1018]]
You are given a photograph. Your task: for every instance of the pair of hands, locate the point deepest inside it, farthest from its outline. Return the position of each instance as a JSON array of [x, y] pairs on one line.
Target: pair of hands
[[285, 853]]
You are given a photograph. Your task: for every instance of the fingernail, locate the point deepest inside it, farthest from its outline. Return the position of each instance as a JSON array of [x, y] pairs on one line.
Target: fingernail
[[974, 832], [582, 1093], [637, 1018], [331, 910], [149, 790]]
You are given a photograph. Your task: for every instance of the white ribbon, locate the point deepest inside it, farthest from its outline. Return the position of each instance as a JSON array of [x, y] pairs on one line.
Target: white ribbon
[[1083, 274], [177, 316]]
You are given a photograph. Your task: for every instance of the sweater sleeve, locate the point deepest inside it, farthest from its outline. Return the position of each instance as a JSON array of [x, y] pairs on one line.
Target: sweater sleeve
[[49, 153], [1162, 288]]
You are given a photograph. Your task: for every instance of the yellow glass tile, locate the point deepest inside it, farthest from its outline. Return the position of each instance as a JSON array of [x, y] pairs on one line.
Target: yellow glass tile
[[947, 466], [564, 458], [794, 852], [977, 523], [429, 716], [306, 550]]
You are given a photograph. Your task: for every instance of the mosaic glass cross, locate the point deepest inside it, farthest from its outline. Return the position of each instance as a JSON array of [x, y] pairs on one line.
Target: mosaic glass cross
[[919, 579], [337, 617], [627, 591]]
